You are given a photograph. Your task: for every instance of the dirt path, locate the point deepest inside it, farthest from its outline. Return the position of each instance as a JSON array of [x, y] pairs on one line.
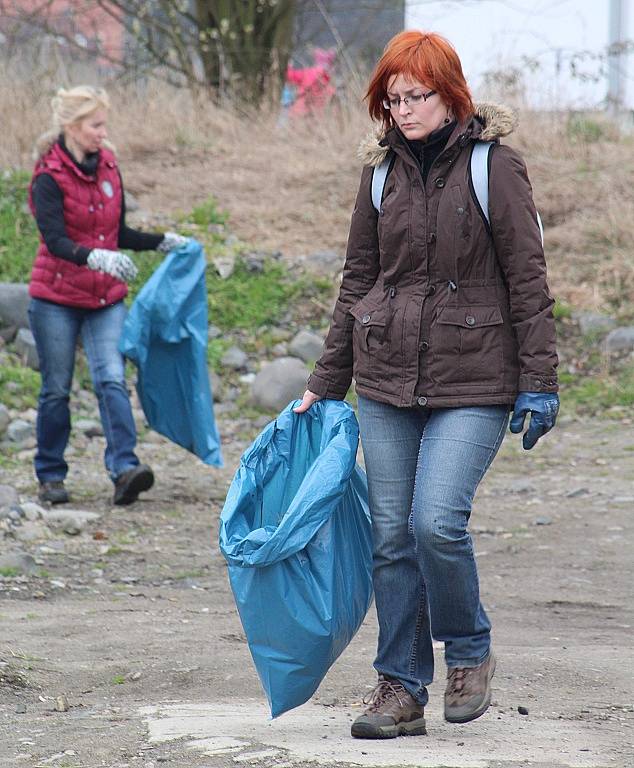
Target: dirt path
[[139, 631]]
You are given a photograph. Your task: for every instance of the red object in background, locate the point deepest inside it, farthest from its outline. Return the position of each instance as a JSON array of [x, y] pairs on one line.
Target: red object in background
[[313, 89]]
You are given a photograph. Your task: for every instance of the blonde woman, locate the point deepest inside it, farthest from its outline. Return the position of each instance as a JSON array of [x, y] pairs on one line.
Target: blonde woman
[[78, 284]]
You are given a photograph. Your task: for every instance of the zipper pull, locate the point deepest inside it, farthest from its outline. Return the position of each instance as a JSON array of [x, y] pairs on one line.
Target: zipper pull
[[392, 291], [452, 286]]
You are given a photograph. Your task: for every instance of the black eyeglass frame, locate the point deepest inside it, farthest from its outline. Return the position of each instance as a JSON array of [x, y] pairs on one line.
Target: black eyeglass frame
[[387, 103]]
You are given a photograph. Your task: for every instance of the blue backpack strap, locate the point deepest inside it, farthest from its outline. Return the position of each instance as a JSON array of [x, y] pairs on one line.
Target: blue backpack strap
[[480, 181], [379, 175]]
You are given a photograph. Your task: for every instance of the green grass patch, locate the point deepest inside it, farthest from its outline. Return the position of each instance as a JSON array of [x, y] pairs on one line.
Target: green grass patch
[[561, 310], [9, 571], [207, 213], [118, 679], [19, 386], [18, 233], [595, 394]]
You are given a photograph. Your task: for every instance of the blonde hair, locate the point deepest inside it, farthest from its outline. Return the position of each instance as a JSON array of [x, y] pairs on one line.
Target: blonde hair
[[70, 107]]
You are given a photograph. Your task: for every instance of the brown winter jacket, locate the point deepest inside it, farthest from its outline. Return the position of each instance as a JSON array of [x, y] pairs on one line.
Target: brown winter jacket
[[435, 310]]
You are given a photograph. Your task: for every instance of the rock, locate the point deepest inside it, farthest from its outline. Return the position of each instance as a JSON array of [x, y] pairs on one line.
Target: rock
[[522, 710], [4, 418], [25, 347], [522, 486], [279, 382], [254, 261], [235, 358], [20, 709], [32, 511], [324, 262], [593, 323], [19, 561], [225, 265], [280, 349], [543, 521], [8, 496], [19, 430], [14, 304], [620, 340], [213, 332], [307, 346], [71, 521], [9, 333], [61, 704], [31, 531], [217, 389], [89, 427]]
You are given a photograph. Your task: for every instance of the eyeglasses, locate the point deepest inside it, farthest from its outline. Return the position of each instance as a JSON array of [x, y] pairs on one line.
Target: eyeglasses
[[411, 101]]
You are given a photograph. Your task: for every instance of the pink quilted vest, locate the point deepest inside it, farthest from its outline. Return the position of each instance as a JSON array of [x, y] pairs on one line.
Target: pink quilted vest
[[92, 210]]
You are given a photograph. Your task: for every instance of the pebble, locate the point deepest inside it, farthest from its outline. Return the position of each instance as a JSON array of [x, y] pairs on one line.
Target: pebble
[[20, 709], [61, 705], [522, 710]]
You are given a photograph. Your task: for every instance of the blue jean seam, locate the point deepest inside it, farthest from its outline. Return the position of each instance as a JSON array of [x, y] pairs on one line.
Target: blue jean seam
[[98, 386]]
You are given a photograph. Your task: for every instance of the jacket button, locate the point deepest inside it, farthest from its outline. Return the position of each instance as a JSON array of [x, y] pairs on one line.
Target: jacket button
[[470, 320], [460, 210], [382, 212], [101, 237], [538, 383], [421, 400], [100, 206], [423, 346], [91, 208], [59, 274], [102, 301], [440, 182], [431, 290], [366, 319]]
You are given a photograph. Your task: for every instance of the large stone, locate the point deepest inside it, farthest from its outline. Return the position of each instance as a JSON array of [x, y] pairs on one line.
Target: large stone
[[620, 340], [5, 419], [279, 382], [19, 431], [235, 358], [25, 347], [71, 521], [8, 496], [14, 303], [307, 346], [593, 323], [17, 561]]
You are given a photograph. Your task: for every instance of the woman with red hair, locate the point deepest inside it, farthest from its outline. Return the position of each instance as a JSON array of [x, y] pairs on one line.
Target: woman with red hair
[[444, 319]]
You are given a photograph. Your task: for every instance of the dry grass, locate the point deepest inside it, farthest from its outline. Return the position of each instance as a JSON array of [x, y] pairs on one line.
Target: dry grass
[[292, 188]]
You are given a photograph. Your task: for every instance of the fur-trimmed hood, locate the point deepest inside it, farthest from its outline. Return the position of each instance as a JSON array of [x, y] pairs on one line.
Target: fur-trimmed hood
[[495, 120]]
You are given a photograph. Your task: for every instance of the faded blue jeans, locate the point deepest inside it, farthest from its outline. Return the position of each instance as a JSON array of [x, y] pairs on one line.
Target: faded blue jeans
[[56, 329], [423, 468]]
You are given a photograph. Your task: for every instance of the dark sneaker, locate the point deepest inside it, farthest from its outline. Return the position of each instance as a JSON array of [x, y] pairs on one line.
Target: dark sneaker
[[468, 692], [130, 484], [392, 712], [53, 492]]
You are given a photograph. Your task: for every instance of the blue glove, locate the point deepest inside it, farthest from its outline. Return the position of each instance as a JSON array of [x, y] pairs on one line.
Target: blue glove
[[543, 408]]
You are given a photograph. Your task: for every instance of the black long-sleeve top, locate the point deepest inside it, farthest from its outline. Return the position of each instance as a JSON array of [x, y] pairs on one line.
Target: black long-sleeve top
[[48, 201]]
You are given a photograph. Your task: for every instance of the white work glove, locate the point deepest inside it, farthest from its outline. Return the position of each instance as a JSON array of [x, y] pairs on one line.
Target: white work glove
[[112, 263], [172, 242]]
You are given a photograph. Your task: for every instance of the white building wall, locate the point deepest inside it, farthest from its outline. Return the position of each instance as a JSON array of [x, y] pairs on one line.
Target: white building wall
[[559, 46]]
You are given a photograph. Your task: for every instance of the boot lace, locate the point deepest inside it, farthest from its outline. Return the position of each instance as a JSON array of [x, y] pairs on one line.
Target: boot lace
[[382, 693]]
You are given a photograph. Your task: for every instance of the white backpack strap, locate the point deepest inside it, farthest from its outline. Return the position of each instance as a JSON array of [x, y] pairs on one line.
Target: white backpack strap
[[480, 175], [480, 180], [379, 175]]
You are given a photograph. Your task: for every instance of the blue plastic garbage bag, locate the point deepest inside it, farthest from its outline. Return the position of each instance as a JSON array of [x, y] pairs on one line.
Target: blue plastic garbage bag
[[165, 335], [295, 530]]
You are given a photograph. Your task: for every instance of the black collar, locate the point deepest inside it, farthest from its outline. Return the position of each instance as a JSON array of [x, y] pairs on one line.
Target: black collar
[[91, 161]]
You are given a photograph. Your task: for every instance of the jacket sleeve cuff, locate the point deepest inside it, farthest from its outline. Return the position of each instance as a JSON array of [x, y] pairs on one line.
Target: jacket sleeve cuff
[[327, 389], [535, 382]]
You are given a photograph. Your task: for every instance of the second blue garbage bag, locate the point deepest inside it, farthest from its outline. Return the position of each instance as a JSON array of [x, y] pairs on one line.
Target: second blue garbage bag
[[165, 335], [295, 530]]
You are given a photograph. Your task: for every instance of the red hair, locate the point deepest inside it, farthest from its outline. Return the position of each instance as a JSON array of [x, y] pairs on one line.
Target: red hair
[[428, 58]]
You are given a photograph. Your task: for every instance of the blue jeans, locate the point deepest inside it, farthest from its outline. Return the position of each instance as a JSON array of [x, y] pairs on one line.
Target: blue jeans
[[423, 468], [56, 329]]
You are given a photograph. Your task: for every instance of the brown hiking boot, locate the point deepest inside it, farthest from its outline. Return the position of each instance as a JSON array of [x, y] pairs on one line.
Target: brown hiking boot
[[53, 492], [130, 484], [468, 692], [392, 712]]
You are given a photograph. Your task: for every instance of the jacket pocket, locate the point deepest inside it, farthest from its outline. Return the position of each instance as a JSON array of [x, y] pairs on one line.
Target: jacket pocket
[[468, 345], [370, 340]]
